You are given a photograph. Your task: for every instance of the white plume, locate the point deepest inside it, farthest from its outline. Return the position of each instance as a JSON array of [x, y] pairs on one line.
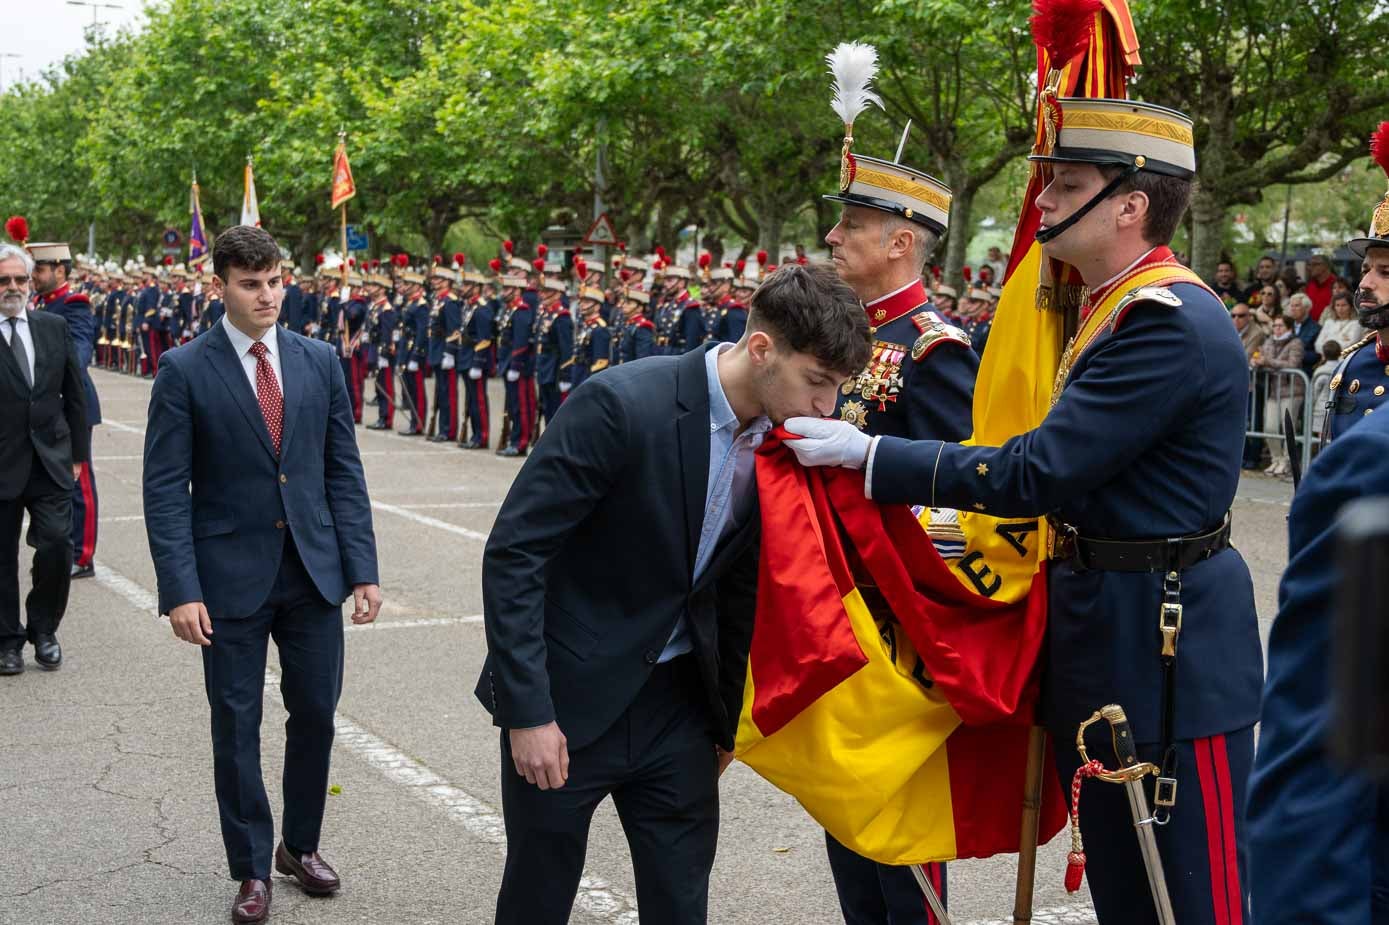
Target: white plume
[[853, 66]]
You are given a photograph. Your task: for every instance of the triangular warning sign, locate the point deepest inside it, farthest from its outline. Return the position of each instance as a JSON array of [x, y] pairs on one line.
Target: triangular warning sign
[[602, 233]]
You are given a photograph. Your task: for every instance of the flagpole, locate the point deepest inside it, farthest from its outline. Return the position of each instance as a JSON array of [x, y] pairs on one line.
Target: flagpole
[[1031, 816], [342, 140]]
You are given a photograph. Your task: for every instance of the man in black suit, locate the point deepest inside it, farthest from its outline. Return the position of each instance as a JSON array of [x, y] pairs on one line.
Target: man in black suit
[[44, 440], [623, 675]]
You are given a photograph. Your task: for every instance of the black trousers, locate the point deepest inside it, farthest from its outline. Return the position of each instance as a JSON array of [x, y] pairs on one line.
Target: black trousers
[[658, 764], [308, 633], [50, 534]]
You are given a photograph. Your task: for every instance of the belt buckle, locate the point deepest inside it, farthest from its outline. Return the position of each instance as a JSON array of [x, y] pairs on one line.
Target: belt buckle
[[1170, 625]]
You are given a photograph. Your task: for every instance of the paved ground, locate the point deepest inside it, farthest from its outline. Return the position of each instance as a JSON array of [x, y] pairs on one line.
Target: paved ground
[[105, 766]]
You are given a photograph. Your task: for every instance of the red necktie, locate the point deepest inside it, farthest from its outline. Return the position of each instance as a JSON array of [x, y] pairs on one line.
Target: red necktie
[[272, 403]]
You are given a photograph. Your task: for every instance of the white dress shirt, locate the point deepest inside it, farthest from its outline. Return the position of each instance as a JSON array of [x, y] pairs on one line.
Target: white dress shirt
[[25, 337], [242, 345]]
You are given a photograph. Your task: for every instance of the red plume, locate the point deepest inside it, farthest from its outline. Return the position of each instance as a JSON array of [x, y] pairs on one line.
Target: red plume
[[508, 247], [660, 252], [168, 261], [438, 260], [625, 274], [460, 258], [1063, 28], [738, 267], [18, 228], [375, 263], [495, 265], [401, 260], [581, 270], [622, 246], [539, 263], [351, 261], [761, 258], [318, 260], [658, 264], [541, 251], [967, 273], [1379, 147], [705, 259], [617, 262]]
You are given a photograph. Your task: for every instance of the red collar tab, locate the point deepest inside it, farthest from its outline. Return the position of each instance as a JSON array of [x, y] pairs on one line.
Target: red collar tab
[[56, 294], [1159, 254], [897, 305]]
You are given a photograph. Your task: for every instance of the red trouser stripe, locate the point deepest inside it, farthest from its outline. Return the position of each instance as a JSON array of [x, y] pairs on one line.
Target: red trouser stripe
[[449, 406], [1213, 772], [421, 400], [88, 550], [525, 398], [483, 430], [389, 388]]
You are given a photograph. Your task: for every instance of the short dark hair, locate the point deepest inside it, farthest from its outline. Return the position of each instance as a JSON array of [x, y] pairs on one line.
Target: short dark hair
[[245, 247], [811, 310], [1167, 200]]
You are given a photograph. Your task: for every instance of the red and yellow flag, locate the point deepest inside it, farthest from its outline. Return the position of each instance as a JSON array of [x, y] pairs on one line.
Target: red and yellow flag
[[902, 729], [343, 186]]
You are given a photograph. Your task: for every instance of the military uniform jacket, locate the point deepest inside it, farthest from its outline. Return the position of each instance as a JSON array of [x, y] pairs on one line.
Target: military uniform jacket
[[691, 330], [478, 349], [731, 322], [554, 346], [1358, 387], [330, 308], [592, 349], [149, 307], [1143, 443], [445, 326], [636, 341], [514, 326], [76, 309], [919, 383], [381, 330], [354, 316]]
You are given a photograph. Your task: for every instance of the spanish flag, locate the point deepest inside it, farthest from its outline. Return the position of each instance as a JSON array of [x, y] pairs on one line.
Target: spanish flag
[[892, 702]]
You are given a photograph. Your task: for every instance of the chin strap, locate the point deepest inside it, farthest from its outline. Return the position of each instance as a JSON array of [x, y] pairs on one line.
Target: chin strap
[[1050, 234]]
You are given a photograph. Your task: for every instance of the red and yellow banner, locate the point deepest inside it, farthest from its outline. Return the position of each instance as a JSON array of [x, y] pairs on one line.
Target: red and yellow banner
[[902, 729], [343, 186]]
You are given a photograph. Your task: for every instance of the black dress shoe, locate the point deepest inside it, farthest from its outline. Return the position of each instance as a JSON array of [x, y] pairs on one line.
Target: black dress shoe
[[314, 875], [47, 652], [11, 662], [511, 451], [83, 571], [440, 438], [474, 445], [379, 425], [412, 433]]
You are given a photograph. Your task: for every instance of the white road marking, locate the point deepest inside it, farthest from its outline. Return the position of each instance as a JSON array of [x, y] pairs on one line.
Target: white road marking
[[381, 625], [1056, 915], [121, 425], [130, 458], [121, 518], [596, 896], [429, 521], [443, 505]]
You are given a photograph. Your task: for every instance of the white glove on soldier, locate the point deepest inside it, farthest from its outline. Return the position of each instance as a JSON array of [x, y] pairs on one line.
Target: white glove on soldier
[[512, 375], [565, 387], [382, 362], [413, 366], [448, 361], [828, 443], [474, 373]]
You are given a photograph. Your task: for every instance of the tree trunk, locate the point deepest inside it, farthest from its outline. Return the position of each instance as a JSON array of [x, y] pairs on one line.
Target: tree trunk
[[961, 231], [1207, 231], [773, 220]]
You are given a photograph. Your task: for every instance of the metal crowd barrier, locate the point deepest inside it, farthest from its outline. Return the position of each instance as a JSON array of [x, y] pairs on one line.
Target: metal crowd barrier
[[1266, 384]]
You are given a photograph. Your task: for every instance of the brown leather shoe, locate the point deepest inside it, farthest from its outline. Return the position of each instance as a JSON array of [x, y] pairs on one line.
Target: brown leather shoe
[[312, 872], [252, 903]]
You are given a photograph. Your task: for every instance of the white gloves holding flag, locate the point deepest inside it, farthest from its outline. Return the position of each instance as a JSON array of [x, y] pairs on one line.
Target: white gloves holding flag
[[828, 443], [474, 373], [448, 361], [512, 375], [382, 362], [413, 366]]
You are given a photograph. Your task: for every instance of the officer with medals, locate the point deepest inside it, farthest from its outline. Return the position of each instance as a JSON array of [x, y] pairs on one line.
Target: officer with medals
[[554, 348], [919, 383], [593, 340], [1361, 379], [637, 338], [1136, 466], [478, 357], [516, 363]]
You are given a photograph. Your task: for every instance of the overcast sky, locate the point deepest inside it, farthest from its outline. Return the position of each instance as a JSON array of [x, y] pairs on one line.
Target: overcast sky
[[43, 32]]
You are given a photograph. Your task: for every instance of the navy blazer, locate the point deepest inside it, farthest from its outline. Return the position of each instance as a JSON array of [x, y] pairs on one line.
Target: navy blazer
[[590, 564], [222, 543], [1318, 834], [76, 309]]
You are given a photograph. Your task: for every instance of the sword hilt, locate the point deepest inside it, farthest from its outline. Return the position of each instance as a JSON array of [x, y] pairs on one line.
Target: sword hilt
[[1130, 768]]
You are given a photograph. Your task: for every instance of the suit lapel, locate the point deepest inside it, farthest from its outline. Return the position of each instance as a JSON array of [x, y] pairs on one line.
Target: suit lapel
[[224, 360], [291, 385], [692, 427]]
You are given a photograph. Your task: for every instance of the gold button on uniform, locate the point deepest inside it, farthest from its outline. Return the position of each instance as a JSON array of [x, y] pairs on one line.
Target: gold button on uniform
[[1335, 382], [1379, 390], [1354, 386], [283, 478], [279, 525], [1367, 411]]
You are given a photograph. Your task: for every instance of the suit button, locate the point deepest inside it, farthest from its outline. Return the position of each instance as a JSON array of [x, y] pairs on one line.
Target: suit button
[[651, 656], [283, 478], [279, 525]]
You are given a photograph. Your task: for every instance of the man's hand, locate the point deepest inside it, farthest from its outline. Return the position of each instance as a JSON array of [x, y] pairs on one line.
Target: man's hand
[[541, 755], [413, 366], [828, 443], [76, 471], [725, 759], [366, 603], [474, 373], [191, 623]]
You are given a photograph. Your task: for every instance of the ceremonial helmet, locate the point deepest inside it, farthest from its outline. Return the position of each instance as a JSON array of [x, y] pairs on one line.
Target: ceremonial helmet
[[889, 186], [1378, 235]]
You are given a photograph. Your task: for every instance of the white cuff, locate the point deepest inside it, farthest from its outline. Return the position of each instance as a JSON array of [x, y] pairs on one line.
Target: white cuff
[[868, 470]]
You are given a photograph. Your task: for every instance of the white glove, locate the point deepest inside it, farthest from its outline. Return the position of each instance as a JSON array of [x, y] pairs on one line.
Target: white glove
[[413, 366], [828, 443], [565, 387], [474, 373], [512, 375], [448, 362], [383, 362]]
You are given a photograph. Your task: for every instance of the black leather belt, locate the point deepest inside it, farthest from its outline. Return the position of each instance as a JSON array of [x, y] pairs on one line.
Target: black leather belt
[[1146, 555]]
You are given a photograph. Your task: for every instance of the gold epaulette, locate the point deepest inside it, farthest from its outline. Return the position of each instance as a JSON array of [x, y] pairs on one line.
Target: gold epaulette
[[102, 341], [482, 345], [455, 338], [1159, 294], [598, 365], [935, 334], [567, 363]]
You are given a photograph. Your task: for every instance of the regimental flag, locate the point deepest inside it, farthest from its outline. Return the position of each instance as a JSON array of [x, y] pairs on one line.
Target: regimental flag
[[892, 702], [343, 186], [1014, 386], [250, 208], [197, 237]]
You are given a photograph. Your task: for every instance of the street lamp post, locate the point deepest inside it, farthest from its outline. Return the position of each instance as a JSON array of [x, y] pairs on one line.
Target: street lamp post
[[95, 8]]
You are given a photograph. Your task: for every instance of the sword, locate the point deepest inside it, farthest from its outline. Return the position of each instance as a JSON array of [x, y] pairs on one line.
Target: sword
[[1130, 774], [1291, 448]]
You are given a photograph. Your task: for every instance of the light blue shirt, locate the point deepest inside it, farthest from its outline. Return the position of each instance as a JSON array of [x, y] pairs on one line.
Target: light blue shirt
[[732, 484]]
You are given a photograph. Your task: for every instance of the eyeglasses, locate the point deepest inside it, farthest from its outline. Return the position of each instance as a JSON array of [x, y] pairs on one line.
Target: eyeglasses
[[1239, 314], [17, 280]]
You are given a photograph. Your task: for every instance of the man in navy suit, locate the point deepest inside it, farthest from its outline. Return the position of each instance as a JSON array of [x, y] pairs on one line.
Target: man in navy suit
[[624, 676], [274, 534]]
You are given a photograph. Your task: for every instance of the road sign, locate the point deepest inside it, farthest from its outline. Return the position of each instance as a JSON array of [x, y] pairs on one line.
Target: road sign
[[602, 233], [357, 239]]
